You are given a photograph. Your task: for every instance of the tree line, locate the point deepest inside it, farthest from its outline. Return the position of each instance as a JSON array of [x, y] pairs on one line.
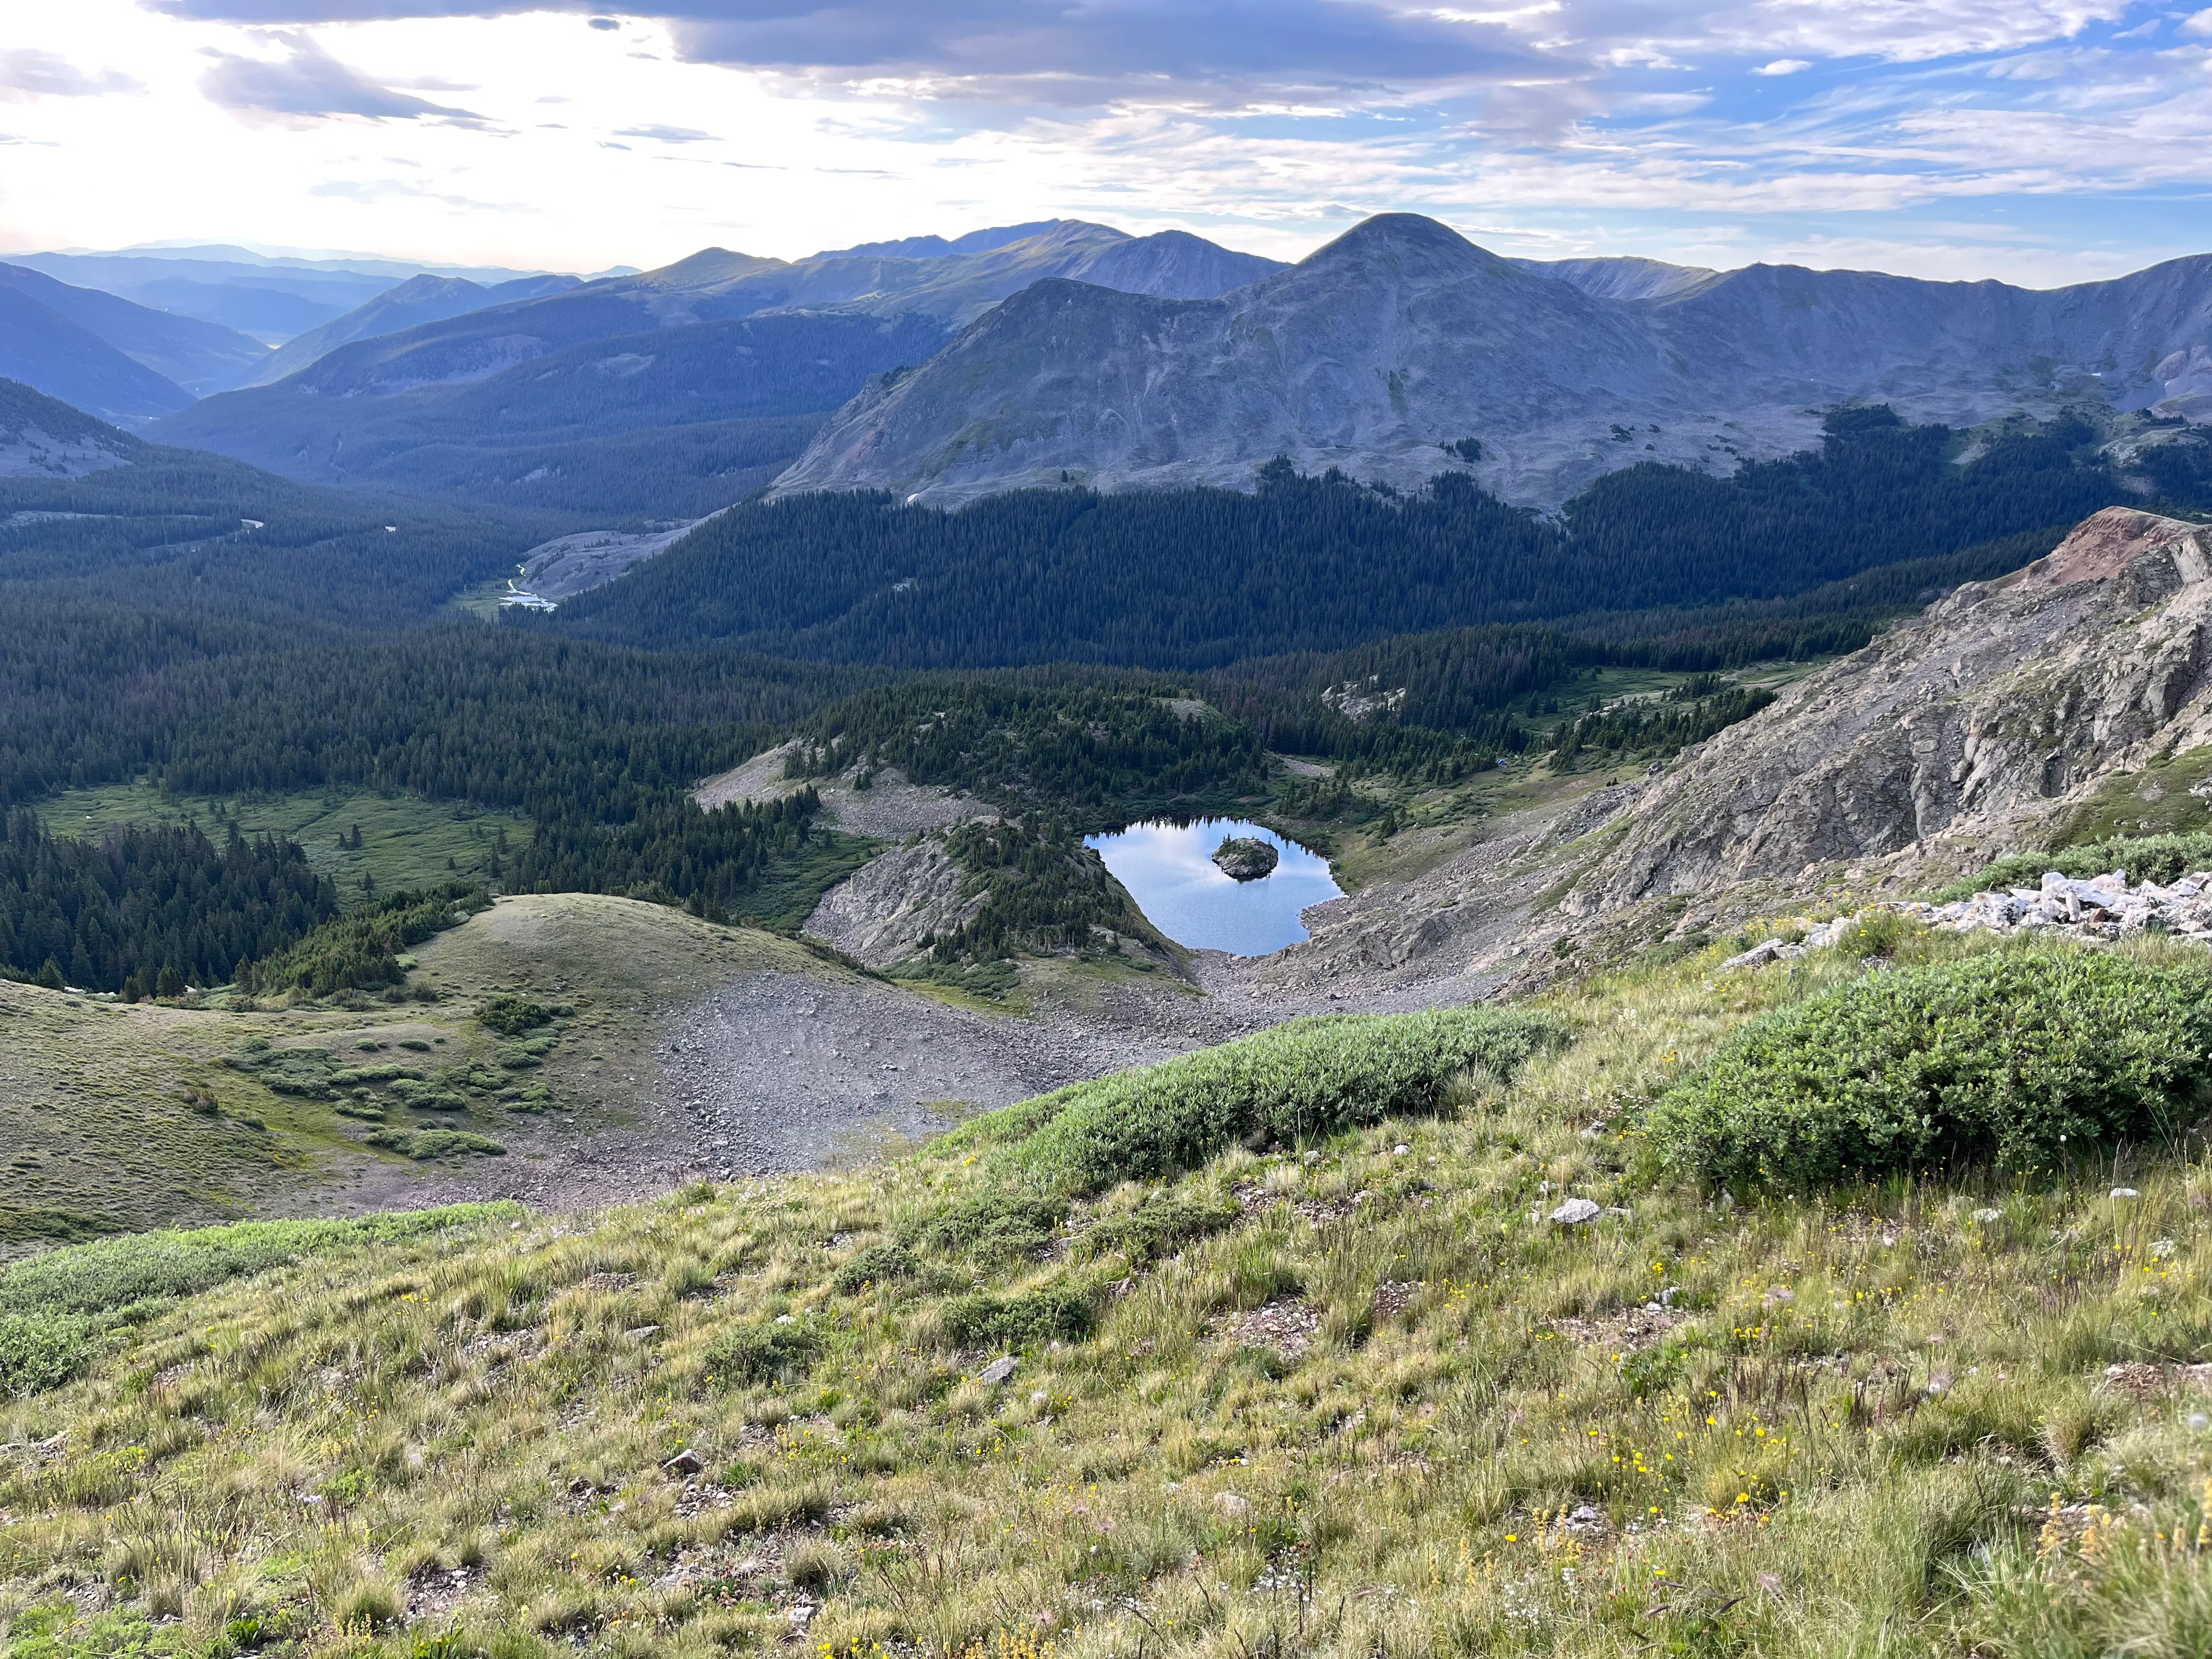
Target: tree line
[[1201, 577], [149, 910]]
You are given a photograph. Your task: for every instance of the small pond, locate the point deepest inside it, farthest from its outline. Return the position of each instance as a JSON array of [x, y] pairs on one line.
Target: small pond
[[1169, 870]]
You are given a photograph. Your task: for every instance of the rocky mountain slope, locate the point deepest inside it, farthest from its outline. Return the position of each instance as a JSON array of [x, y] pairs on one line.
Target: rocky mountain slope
[[2008, 713], [42, 437], [1984, 719], [1402, 338]]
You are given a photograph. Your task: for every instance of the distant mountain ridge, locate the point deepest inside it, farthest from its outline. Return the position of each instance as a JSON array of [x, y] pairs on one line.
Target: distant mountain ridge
[[55, 355], [200, 357], [423, 298], [1380, 352], [670, 354]]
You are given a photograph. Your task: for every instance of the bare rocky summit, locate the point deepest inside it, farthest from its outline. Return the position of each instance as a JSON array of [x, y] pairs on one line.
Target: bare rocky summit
[[1402, 338]]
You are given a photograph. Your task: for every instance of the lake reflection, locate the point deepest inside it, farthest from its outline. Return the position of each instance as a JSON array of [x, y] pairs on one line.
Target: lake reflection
[[1169, 870]]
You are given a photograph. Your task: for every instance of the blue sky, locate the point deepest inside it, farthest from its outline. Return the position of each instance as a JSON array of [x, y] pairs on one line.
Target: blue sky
[[2038, 141]]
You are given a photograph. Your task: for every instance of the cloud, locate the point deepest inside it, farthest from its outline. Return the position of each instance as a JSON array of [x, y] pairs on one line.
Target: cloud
[[1782, 66], [667, 135], [605, 23], [307, 84], [27, 73], [2197, 23], [369, 192]]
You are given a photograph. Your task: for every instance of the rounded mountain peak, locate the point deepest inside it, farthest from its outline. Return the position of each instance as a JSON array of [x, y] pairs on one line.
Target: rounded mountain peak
[[1409, 243]]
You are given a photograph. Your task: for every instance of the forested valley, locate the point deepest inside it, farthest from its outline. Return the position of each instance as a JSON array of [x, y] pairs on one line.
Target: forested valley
[[1085, 660]]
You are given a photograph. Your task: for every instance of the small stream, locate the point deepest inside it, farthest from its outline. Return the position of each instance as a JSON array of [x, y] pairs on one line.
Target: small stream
[[1169, 870]]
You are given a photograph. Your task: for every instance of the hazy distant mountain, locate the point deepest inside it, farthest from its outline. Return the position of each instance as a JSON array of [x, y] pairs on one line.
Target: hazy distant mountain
[[271, 304], [865, 313], [424, 299], [678, 421], [199, 356], [272, 298], [368, 265], [62, 359], [1402, 338]]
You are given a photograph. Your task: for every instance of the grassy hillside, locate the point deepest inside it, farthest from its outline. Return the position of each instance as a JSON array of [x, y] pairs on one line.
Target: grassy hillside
[[406, 842], [1310, 1381], [114, 1119]]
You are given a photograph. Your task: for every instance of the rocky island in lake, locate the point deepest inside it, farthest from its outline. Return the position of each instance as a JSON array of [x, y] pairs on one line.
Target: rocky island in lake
[[1244, 858]]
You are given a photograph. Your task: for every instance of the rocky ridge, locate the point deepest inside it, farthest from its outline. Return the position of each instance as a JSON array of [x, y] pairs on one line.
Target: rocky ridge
[[1982, 727], [1401, 336], [1978, 722]]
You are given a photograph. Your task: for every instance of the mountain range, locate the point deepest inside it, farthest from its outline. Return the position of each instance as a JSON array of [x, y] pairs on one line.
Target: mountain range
[[672, 347], [425, 298], [271, 297], [1386, 351], [1062, 352]]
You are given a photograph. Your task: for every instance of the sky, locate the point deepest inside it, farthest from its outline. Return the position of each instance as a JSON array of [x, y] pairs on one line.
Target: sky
[[2041, 141]]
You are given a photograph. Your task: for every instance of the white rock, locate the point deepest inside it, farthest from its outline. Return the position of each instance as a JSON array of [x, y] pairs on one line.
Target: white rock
[[1576, 1211], [998, 1371], [2125, 1192]]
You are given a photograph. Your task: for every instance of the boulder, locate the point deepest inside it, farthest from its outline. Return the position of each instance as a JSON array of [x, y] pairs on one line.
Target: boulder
[[1245, 858], [1576, 1211]]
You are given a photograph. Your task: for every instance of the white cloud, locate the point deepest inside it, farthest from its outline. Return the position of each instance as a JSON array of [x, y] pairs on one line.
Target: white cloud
[[1533, 126], [1783, 66], [307, 84], [27, 73], [2197, 23]]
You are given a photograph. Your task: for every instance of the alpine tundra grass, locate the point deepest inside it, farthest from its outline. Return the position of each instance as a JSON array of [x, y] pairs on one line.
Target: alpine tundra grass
[[1306, 1383]]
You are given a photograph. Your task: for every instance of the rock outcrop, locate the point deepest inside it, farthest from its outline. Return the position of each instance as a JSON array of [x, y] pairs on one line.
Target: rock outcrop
[[1985, 716], [881, 914], [1245, 858]]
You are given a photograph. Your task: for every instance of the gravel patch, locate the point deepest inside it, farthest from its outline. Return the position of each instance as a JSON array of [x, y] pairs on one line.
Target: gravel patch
[[777, 1071]]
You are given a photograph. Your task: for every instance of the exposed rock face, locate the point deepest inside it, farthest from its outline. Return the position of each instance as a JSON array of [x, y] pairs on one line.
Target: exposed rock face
[[1245, 858], [1985, 714], [881, 914], [1401, 336], [569, 565]]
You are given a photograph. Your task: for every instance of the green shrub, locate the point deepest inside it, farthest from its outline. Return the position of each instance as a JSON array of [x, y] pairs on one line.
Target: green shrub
[[993, 1227], [422, 1143], [761, 1351], [984, 1321], [38, 1351], [1302, 1080], [114, 1273], [1164, 1224], [879, 1264], [2161, 859], [2016, 1059], [511, 1016], [360, 951]]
